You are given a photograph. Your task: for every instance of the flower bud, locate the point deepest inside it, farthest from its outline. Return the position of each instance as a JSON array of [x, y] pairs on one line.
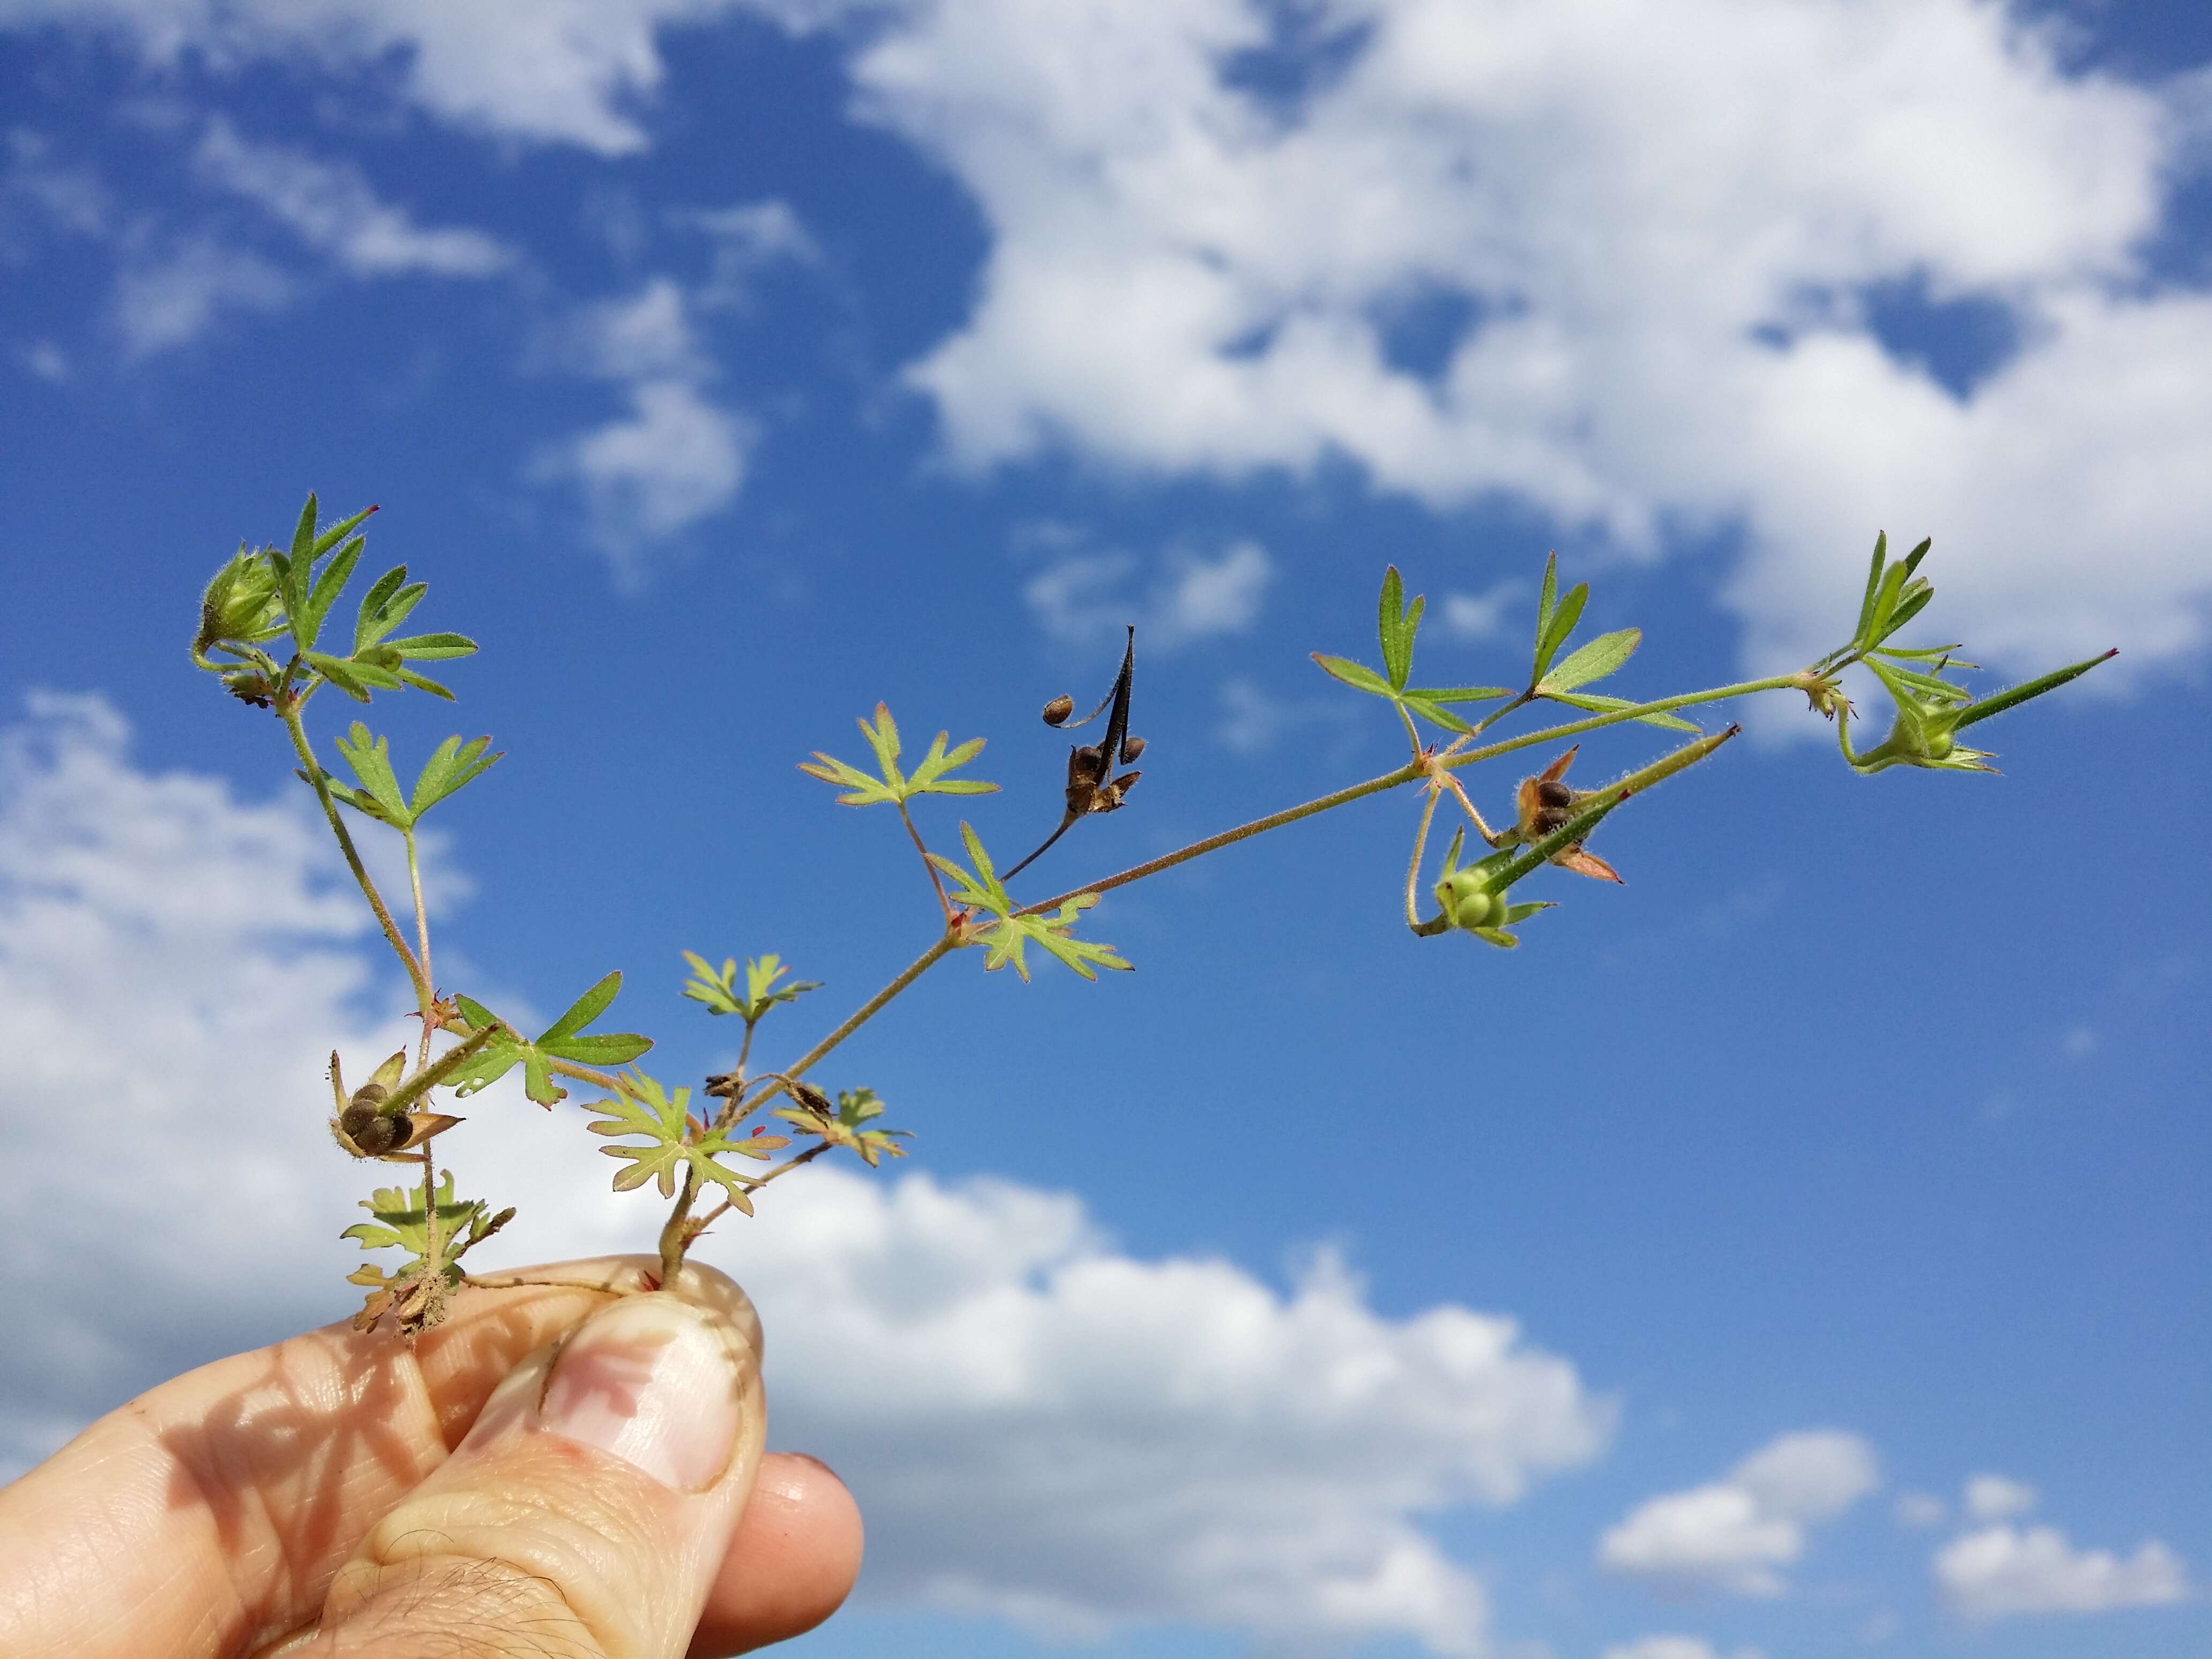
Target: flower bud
[[241, 605]]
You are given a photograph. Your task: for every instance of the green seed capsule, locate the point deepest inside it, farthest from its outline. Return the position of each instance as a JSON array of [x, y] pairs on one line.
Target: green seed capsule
[[1475, 910]]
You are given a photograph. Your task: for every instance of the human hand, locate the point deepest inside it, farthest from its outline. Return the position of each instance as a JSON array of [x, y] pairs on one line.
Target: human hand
[[557, 1469]]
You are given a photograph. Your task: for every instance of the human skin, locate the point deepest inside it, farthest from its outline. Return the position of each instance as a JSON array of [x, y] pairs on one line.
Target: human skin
[[558, 1469]]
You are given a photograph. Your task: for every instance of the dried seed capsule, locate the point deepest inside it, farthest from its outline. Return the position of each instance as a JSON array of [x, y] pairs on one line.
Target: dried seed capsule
[[374, 1132], [1552, 792], [1131, 748], [1057, 711], [1550, 819]]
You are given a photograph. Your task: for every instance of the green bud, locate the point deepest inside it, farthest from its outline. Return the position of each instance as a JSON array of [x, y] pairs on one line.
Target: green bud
[[1475, 910], [241, 606]]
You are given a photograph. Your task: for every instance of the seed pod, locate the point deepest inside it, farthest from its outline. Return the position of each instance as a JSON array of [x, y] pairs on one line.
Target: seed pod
[[373, 1132], [1550, 792], [1476, 910], [1546, 821], [1057, 711], [1131, 748], [1086, 765], [814, 1100]]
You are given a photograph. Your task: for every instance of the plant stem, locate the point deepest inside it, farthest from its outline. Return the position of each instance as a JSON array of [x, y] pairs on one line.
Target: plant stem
[[671, 1235], [422, 943], [322, 788], [606, 1081], [942, 903], [875, 1004], [1413, 869]]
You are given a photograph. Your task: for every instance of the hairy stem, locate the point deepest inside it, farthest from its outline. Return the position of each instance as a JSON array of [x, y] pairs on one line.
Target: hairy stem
[[672, 1241], [1413, 869], [875, 1004], [421, 944], [1406, 774], [320, 781], [944, 904]]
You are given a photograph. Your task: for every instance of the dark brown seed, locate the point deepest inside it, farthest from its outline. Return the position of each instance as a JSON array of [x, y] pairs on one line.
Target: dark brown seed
[[1131, 748], [372, 1131], [1059, 709], [1086, 765], [1549, 819], [1553, 792]]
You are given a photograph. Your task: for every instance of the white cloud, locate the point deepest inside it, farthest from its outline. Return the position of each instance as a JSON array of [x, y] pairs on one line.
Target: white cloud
[[1083, 596], [1921, 1509], [1994, 1497], [1667, 223], [2002, 1571], [48, 362], [1471, 617], [334, 210], [747, 240], [1668, 226], [673, 457], [168, 298], [1040, 1425], [1736, 1533], [1671, 1647]]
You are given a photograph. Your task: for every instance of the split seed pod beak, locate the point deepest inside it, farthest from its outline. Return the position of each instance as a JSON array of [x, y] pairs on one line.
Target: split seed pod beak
[[1545, 804]]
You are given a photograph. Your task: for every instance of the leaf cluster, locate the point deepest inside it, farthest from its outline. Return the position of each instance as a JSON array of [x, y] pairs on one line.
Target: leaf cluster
[[258, 596], [1011, 931], [845, 1124], [565, 1039], [1551, 677], [674, 1141], [890, 785], [376, 793], [717, 989]]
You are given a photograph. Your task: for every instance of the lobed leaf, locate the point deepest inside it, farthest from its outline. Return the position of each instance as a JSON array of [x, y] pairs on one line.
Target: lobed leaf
[[1594, 661]]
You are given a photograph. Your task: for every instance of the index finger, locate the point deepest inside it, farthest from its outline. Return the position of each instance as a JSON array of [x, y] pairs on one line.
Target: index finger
[[209, 1515]]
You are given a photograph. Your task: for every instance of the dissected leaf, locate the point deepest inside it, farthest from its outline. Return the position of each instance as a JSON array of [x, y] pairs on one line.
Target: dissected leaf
[[674, 1140], [893, 786], [565, 1039], [1596, 704], [1357, 676], [452, 766], [1007, 936], [378, 796], [717, 991], [1396, 624], [1564, 617]]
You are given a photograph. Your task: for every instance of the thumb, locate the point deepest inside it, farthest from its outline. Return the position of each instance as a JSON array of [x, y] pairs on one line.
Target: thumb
[[588, 1512]]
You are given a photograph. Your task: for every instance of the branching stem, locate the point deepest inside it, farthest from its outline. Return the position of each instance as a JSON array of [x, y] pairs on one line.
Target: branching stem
[[320, 781]]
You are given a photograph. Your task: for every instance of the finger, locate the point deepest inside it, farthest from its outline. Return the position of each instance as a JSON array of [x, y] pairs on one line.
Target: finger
[[210, 1514], [589, 1509], [792, 1564]]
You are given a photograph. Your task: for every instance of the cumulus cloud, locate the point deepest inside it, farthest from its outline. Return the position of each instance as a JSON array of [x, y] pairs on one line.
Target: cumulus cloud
[[1688, 248], [334, 210], [1473, 616], [169, 297], [1921, 1509], [2002, 1571], [1081, 596], [672, 457], [1994, 1497], [1671, 1647], [1041, 1426], [1735, 1533]]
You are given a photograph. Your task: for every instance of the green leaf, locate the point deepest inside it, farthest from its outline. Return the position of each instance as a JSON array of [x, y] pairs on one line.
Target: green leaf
[[340, 673], [1007, 936], [1546, 600], [894, 787], [1396, 624], [402, 1218], [307, 626], [337, 532], [423, 682], [1459, 693], [371, 606], [432, 648], [564, 1039], [1594, 661], [1600, 705], [1563, 618], [1433, 712], [674, 1140], [1872, 583], [717, 991], [370, 759], [1360, 678], [452, 766]]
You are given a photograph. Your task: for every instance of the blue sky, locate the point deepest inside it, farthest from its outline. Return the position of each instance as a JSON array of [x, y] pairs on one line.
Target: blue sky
[[1797, 1251]]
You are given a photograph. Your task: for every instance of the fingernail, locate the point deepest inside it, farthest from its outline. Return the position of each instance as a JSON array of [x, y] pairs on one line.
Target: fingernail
[[653, 1381]]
